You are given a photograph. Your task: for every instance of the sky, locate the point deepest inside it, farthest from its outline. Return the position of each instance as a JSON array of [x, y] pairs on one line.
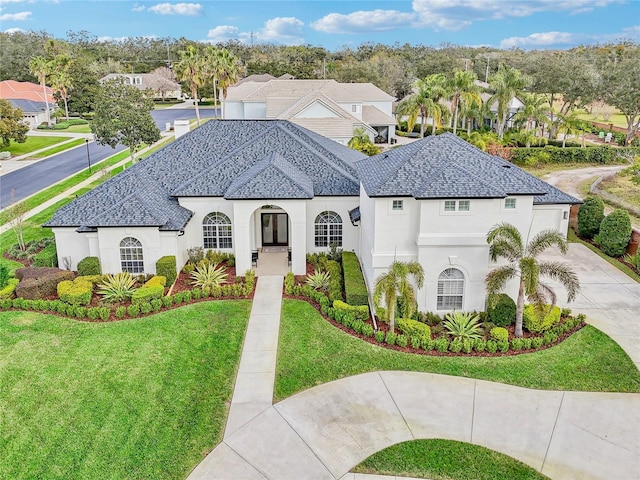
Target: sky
[[526, 24]]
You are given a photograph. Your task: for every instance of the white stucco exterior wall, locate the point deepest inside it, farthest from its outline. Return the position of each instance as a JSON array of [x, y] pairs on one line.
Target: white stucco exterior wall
[[233, 110], [254, 110]]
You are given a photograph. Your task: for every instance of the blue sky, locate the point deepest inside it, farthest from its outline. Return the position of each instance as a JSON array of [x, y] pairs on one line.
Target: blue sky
[[527, 24]]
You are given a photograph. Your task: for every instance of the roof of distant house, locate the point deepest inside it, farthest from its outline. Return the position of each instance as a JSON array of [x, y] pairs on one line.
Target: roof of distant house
[[10, 89], [28, 106], [148, 80], [445, 166]]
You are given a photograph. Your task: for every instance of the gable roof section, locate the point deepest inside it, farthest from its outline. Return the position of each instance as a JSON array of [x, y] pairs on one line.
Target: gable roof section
[[217, 159], [11, 89], [445, 166], [28, 106], [273, 177], [375, 116]]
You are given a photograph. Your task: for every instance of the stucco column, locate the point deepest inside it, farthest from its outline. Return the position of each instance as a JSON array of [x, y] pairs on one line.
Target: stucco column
[[241, 241], [299, 245]]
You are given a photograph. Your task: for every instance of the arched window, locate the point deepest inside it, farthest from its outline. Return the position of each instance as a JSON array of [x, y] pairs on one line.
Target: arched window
[[450, 289], [131, 255], [216, 231], [328, 229]]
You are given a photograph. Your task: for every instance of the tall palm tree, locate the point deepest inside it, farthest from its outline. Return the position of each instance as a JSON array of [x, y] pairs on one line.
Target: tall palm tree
[[424, 102], [506, 83], [506, 242], [463, 90], [191, 69], [535, 109], [396, 283], [41, 67], [212, 69], [569, 123], [228, 71], [61, 80]]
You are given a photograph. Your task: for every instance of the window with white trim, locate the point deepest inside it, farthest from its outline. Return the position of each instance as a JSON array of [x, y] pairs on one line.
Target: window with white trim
[[449, 205], [328, 229], [464, 205], [450, 290], [131, 258], [509, 203], [397, 205], [216, 231], [457, 205]]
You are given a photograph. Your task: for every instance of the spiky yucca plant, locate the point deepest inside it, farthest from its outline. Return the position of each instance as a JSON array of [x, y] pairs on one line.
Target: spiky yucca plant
[[208, 275], [463, 325], [318, 280], [118, 287]]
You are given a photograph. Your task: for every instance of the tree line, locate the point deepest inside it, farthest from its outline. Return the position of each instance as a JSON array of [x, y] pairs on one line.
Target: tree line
[[567, 79]]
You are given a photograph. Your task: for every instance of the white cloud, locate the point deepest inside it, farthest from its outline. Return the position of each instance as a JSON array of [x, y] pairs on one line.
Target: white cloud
[[363, 21], [543, 39], [138, 8], [286, 30], [15, 17], [14, 30], [188, 9], [222, 33]]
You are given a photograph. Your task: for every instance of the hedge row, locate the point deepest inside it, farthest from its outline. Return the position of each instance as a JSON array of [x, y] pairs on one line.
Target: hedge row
[[551, 154], [355, 290]]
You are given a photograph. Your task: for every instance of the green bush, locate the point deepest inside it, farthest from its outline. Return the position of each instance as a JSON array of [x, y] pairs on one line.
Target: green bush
[[133, 310], [289, 282], [502, 310], [402, 341], [166, 267], [156, 280], [615, 232], [47, 257], [601, 154], [4, 276], [537, 321], [379, 336], [413, 328], [8, 290], [390, 338], [146, 294], [441, 345], [590, 216], [416, 341], [76, 292], [492, 346], [503, 345], [355, 289], [360, 312], [456, 345], [40, 282], [499, 334], [367, 330], [335, 280], [479, 345], [89, 266]]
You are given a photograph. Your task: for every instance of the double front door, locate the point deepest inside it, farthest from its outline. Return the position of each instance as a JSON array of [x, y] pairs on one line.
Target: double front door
[[275, 229]]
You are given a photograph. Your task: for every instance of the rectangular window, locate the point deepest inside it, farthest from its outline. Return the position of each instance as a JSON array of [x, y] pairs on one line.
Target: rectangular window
[[509, 203], [397, 205], [464, 205], [449, 205], [354, 108], [565, 215], [457, 205]]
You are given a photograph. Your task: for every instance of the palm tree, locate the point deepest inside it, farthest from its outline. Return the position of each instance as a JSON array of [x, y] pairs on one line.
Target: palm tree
[[569, 123], [395, 283], [463, 90], [361, 142], [535, 109], [41, 67], [425, 102], [191, 69], [505, 241], [506, 83], [212, 69], [61, 80], [228, 70]]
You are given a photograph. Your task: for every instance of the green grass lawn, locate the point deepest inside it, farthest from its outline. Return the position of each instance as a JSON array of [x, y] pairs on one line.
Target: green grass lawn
[[143, 398], [58, 149], [33, 143], [312, 352], [446, 459]]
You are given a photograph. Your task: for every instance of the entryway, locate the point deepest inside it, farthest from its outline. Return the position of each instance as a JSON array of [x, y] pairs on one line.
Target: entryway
[[275, 229], [272, 261]]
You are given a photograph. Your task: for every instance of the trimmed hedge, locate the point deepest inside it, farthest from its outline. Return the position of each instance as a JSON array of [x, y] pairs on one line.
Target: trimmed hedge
[[335, 280], [166, 267], [47, 257], [156, 280], [538, 322], [502, 310], [590, 216], [413, 328], [76, 292], [355, 290], [499, 334], [360, 312], [89, 266], [602, 154], [147, 293], [40, 282], [8, 290], [615, 233]]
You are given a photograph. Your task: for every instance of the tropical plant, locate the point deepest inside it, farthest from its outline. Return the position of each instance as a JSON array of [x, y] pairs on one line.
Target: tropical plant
[[118, 287], [615, 232], [61, 80], [535, 109], [523, 265], [569, 123], [191, 69], [361, 142], [227, 64], [463, 91], [208, 275], [506, 84], [318, 280], [461, 325], [396, 283], [425, 102], [590, 216], [41, 68]]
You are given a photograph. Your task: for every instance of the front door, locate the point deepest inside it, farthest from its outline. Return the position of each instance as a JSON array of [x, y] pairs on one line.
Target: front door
[[275, 229]]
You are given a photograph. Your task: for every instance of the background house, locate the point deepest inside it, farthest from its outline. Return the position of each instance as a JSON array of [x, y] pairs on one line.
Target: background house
[[34, 113], [30, 98], [327, 107], [159, 87]]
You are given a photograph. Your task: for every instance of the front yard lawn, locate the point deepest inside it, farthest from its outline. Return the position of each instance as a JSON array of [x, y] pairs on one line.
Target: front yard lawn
[[33, 143], [143, 398], [312, 352]]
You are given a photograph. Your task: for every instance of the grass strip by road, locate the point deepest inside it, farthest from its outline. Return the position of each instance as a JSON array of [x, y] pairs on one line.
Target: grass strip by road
[[142, 398], [32, 144], [446, 460], [57, 149], [311, 352], [572, 237]]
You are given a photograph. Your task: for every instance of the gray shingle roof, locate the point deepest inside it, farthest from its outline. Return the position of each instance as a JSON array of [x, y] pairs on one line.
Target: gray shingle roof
[[217, 159], [28, 106], [445, 166]]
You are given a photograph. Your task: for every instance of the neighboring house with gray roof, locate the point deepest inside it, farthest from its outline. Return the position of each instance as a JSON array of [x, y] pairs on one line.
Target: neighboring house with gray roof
[[33, 113], [327, 107], [242, 185], [157, 86]]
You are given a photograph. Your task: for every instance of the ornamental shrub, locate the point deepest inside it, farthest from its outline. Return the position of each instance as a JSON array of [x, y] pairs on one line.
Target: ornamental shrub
[[590, 216], [402, 340], [537, 321], [166, 267], [456, 345], [467, 345], [502, 310], [120, 312], [390, 338], [289, 282], [499, 334], [413, 328], [133, 310], [492, 346], [503, 345], [379, 336], [4, 276], [615, 232], [355, 289], [335, 280], [536, 342], [40, 282], [441, 345], [463, 325], [89, 266], [479, 345], [360, 312], [77, 292], [8, 290], [105, 313], [47, 257], [367, 330], [416, 342]]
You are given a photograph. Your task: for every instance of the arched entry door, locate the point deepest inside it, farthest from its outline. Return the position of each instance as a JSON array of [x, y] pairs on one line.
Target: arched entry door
[[275, 229]]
